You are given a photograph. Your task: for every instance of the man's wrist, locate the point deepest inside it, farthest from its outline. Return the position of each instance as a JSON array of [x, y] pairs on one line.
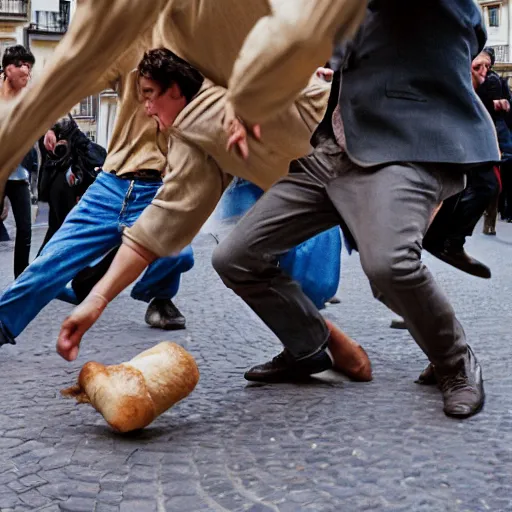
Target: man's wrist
[[99, 300]]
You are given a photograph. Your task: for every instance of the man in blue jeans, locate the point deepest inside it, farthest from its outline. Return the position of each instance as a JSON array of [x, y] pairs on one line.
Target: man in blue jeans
[[127, 185]]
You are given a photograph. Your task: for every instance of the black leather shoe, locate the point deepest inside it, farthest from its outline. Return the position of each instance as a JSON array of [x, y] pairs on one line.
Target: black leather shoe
[[283, 368], [427, 376], [463, 389], [460, 259], [163, 314], [398, 323]]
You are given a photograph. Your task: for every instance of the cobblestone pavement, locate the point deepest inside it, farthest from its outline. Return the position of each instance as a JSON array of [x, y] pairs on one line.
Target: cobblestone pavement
[[329, 446]]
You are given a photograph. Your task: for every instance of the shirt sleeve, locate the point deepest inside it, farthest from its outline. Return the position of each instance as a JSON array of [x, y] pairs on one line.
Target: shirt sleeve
[[284, 49]]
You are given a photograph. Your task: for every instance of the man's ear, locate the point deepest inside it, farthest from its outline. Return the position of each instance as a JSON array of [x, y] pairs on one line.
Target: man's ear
[[175, 91]]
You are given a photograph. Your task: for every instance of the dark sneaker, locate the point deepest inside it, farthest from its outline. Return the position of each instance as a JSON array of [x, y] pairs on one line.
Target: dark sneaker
[[163, 314], [284, 368], [463, 390]]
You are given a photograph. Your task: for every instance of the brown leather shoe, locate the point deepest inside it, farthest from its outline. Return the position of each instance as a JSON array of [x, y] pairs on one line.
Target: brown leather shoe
[[349, 357]]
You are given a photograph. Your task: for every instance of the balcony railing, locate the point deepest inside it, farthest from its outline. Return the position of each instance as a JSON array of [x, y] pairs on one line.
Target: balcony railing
[[87, 108], [14, 8], [51, 21]]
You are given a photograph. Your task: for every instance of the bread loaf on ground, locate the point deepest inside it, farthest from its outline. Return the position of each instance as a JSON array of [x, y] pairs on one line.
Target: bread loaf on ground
[[131, 395]]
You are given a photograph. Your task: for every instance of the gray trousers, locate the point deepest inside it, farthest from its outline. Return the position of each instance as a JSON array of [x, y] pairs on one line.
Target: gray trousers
[[387, 211]]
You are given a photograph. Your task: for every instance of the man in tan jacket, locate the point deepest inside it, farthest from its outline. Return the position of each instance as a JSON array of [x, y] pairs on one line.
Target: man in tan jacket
[[207, 33]]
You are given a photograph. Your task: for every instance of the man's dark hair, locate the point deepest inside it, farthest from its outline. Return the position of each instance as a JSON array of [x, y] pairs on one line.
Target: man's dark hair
[[490, 51], [165, 68], [16, 55]]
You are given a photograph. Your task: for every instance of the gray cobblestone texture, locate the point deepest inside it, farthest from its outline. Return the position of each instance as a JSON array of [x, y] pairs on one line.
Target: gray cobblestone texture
[[332, 445]]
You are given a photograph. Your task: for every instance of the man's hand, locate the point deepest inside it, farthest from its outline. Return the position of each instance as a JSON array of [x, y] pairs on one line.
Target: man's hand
[[50, 140], [237, 132], [501, 105], [325, 73], [78, 323]]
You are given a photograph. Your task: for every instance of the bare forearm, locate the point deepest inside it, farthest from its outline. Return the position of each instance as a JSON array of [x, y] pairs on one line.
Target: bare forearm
[[130, 261]]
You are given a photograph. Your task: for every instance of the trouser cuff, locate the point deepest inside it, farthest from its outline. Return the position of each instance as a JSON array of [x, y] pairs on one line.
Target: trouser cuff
[[6, 338]]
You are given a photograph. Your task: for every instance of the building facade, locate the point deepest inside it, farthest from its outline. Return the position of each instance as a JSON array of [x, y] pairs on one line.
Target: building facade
[[496, 15]]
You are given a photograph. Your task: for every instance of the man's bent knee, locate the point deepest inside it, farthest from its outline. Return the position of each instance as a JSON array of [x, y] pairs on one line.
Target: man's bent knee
[[232, 262], [404, 268]]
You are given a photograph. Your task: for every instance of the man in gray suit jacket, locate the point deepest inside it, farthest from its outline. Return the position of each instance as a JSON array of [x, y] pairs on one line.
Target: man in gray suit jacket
[[413, 127]]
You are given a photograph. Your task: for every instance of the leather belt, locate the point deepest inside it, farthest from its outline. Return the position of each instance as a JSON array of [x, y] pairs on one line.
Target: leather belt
[[140, 175]]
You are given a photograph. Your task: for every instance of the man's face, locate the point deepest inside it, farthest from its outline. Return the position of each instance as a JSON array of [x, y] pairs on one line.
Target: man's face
[[18, 74], [163, 106], [479, 69]]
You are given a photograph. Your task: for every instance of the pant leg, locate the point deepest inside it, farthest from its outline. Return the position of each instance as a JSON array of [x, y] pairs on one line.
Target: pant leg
[[53, 226], [442, 224], [90, 230], [388, 210], [491, 217], [18, 192], [481, 190], [293, 210], [162, 279], [4, 236], [506, 178], [62, 199], [97, 35]]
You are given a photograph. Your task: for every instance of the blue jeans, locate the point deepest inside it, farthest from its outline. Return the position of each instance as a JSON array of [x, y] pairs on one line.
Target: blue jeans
[[92, 228]]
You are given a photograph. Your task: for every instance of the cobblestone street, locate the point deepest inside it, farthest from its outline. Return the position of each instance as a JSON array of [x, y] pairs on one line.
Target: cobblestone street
[[332, 445]]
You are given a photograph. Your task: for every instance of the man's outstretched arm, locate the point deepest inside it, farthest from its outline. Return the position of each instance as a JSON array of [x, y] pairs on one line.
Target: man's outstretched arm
[[283, 50], [130, 261], [98, 34]]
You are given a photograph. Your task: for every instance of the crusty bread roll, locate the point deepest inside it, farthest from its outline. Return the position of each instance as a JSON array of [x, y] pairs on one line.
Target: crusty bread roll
[[131, 395]]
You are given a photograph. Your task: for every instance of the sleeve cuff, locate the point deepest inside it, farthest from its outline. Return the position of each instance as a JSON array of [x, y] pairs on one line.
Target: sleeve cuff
[[150, 231]]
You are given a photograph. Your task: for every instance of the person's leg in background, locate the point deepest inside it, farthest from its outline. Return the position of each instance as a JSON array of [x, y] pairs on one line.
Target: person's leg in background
[[18, 192], [61, 201], [506, 180], [4, 235], [491, 213], [159, 285], [457, 219], [4, 211]]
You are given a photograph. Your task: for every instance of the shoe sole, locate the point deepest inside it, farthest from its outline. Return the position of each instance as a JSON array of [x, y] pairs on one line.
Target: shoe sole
[[278, 380], [177, 327], [482, 275]]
